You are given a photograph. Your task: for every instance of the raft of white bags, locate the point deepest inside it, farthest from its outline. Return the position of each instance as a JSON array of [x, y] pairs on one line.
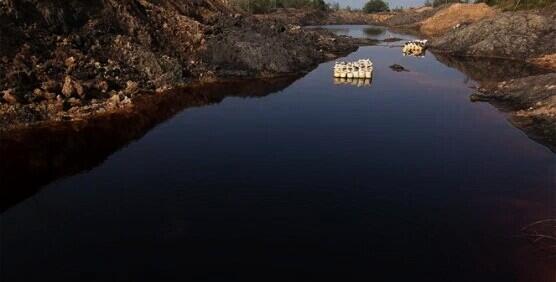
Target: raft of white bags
[[361, 69], [415, 48]]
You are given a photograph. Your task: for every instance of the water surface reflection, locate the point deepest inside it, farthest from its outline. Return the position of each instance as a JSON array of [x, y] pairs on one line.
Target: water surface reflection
[[48, 153], [403, 180]]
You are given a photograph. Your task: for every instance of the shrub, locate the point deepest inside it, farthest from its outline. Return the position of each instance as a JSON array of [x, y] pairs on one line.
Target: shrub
[[375, 6]]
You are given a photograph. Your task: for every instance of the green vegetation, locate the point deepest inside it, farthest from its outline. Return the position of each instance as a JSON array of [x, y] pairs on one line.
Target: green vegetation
[[266, 6], [375, 6]]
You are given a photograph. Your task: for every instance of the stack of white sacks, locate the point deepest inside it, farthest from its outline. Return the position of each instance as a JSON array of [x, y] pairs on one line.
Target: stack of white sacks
[[362, 69], [415, 47]]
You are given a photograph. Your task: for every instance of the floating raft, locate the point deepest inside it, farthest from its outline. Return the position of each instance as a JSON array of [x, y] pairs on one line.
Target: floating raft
[[361, 69], [415, 48]]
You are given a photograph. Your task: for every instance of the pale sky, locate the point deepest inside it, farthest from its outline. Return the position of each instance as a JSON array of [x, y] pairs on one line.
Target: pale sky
[[392, 3]]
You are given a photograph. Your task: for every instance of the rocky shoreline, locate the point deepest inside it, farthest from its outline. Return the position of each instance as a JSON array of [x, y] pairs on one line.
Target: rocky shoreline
[[72, 60]]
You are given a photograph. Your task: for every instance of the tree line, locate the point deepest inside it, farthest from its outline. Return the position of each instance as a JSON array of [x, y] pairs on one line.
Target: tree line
[[371, 6], [266, 6]]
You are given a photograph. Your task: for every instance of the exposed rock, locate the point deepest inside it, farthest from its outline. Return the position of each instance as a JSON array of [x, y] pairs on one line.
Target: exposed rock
[[74, 102], [50, 85], [523, 93], [517, 35], [70, 63], [67, 88], [38, 93], [9, 96], [131, 87], [398, 68], [546, 61], [79, 89], [114, 100], [252, 48], [86, 49], [102, 86]]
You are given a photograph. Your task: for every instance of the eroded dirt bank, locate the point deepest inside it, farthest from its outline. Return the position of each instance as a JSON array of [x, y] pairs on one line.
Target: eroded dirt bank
[[63, 60]]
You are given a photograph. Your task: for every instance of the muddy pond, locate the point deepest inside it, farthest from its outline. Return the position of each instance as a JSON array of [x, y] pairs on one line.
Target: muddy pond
[[403, 179]]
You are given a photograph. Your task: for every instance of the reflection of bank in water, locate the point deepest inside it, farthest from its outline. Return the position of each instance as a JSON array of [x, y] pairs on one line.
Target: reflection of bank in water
[[82, 146], [358, 82]]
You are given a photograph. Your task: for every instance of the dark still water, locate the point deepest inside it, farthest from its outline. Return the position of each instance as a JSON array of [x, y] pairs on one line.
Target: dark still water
[[403, 180]]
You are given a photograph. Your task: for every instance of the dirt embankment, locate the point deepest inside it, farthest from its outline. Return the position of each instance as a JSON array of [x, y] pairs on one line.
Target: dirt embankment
[[454, 15], [72, 59], [432, 22]]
